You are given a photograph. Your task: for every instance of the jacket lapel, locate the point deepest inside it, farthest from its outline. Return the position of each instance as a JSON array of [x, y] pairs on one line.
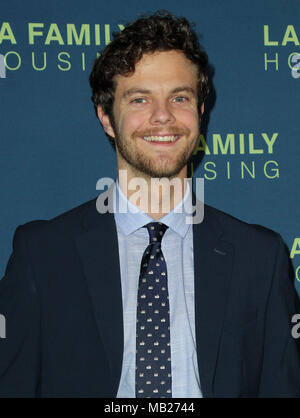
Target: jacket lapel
[[213, 265], [99, 253]]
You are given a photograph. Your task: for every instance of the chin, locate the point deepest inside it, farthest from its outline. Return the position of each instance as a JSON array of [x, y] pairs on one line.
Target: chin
[[159, 173]]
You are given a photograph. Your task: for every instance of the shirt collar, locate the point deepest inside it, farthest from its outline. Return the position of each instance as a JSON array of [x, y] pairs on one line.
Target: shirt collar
[[134, 219]]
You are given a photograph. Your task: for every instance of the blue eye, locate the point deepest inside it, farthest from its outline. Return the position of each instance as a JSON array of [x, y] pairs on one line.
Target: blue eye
[[138, 100], [180, 99]]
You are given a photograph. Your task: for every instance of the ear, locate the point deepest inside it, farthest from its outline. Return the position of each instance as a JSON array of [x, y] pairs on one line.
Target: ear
[[202, 108], [104, 119]]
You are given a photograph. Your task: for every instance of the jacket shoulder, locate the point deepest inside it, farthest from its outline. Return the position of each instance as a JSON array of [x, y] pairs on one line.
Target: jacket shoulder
[[239, 229], [66, 223]]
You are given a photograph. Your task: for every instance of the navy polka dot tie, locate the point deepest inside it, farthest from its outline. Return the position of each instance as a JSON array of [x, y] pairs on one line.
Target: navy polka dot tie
[[153, 351]]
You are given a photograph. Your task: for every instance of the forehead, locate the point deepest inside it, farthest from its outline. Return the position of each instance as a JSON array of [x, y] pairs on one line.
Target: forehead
[[160, 70]]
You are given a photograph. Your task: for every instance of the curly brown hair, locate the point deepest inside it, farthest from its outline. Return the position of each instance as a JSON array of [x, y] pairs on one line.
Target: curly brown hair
[[160, 31]]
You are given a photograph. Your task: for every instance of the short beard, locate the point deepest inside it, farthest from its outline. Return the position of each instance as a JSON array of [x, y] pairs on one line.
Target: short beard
[[146, 166], [142, 164]]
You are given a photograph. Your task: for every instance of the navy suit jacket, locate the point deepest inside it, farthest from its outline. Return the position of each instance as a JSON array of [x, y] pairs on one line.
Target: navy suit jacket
[[61, 297]]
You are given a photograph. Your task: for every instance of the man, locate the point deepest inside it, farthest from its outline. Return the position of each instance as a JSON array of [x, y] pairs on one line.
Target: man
[[142, 303]]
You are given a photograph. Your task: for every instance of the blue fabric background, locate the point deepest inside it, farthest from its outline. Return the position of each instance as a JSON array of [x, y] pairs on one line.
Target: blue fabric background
[[53, 150]]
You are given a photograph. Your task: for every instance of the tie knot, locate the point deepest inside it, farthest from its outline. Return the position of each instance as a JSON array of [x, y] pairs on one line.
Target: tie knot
[[156, 231]]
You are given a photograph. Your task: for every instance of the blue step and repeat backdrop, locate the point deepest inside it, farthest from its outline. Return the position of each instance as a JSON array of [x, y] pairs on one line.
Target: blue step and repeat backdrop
[[53, 150]]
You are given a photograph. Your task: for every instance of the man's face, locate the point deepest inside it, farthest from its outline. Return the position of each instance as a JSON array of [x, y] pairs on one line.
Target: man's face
[[156, 123]]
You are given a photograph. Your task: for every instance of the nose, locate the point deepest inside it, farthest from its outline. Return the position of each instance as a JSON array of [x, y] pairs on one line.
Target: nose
[[161, 113]]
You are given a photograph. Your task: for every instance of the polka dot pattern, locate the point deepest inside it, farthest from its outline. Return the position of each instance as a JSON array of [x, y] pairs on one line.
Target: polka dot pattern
[[153, 353]]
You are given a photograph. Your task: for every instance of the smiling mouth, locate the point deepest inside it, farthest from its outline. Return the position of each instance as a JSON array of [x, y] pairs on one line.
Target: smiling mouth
[[161, 138]]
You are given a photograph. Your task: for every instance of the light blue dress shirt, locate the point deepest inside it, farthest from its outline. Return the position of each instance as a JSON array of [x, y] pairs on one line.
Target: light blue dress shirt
[[177, 247]]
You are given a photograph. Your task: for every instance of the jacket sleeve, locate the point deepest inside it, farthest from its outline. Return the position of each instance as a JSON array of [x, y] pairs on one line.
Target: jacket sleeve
[[280, 376], [20, 310]]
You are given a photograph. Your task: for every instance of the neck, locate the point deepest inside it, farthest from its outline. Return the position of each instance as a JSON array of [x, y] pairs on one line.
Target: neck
[[154, 196]]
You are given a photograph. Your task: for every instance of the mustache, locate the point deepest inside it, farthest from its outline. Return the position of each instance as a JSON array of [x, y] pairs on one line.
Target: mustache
[[171, 130]]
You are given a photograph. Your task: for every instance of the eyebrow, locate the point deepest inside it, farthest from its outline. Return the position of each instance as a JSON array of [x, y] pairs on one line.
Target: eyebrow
[[132, 91], [180, 89], [184, 88]]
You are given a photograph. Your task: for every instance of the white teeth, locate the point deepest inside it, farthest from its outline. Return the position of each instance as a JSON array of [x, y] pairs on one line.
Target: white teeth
[[161, 138]]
